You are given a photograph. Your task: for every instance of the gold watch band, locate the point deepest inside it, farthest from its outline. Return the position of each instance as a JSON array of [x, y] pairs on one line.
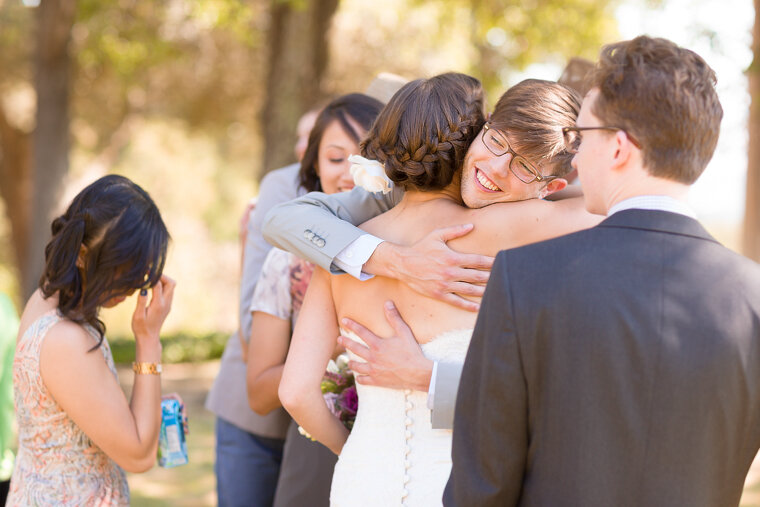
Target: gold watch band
[[147, 368]]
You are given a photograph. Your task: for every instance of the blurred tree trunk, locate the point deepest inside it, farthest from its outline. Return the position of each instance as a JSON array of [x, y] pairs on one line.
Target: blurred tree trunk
[[297, 61], [50, 146], [15, 183], [752, 206]]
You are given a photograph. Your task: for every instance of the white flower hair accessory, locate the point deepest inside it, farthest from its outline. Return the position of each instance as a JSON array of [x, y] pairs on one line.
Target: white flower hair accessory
[[369, 174]]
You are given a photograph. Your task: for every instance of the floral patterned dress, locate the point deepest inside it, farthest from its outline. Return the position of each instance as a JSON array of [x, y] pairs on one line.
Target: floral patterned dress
[[57, 464], [282, 285]]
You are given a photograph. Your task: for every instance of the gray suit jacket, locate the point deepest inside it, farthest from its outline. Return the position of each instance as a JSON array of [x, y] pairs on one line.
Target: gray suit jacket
[[615, 366], [228, 397], [317, 227]]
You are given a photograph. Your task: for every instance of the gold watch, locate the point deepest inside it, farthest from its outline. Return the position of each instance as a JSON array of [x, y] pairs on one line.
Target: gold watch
[[147, 368]]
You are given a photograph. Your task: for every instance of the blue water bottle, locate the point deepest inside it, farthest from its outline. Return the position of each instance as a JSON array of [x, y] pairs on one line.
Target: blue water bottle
[[172, 448]]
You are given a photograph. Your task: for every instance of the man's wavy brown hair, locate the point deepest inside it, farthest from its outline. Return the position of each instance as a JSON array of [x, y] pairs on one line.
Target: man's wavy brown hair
[[531, 114], [664, 96], [423, 134]]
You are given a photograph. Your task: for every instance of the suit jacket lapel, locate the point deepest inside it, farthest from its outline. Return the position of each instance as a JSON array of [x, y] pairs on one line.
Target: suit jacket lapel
[[655, 220]]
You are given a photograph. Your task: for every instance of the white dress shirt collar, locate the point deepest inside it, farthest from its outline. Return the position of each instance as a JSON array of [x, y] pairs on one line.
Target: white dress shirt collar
[[654, 202]]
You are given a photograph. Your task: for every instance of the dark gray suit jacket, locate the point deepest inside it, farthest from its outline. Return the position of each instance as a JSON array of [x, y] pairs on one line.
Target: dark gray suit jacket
[[615, 366]]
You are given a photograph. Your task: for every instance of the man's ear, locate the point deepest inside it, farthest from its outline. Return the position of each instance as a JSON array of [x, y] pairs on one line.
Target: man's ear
[[554, 185], [623, 150]]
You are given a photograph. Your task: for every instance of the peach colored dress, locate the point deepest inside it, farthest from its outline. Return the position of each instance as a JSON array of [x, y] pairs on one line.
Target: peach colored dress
[[57, 464]]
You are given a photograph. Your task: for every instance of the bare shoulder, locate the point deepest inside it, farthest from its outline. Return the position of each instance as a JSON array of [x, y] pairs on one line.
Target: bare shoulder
[[534, 209], [405, 226], [508, 225], [66, 339], [68, 361], [502, 225]]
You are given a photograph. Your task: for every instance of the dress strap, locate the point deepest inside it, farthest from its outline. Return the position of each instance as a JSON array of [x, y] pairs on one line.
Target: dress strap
[[40, 326]]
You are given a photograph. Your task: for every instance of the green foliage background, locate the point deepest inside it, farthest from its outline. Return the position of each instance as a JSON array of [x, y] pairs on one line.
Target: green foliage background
[[169, 93]]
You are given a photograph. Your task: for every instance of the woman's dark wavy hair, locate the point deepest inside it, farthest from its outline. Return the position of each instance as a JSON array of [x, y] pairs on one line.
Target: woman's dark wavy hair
[[125, 240], [423, 134], [358, 107]]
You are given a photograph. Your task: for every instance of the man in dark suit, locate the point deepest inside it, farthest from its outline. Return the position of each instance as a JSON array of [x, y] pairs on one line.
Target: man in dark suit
[[619, 365]]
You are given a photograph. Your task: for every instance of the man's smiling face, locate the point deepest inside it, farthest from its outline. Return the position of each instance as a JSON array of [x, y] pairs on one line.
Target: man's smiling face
[[487, 179]]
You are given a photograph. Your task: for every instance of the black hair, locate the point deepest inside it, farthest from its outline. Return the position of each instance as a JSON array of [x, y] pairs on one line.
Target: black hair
[[125, 243], [360, 108]]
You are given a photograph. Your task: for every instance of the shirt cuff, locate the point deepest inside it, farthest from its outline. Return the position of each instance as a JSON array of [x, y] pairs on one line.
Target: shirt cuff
[[352, 258], [431, 389]]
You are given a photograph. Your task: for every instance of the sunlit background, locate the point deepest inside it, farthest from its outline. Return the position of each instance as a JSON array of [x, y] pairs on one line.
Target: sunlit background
[[186, 98], [201, 158]]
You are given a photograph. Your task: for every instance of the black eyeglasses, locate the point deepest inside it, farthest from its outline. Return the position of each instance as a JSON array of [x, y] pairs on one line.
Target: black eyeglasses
[[497, 144], [572, 136]]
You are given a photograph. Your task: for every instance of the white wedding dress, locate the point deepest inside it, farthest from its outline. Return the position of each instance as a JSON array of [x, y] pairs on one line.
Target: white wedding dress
[[393, 456]]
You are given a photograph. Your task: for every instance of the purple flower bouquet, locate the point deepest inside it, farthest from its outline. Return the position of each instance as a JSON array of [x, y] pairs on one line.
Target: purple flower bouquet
[[339, 391]]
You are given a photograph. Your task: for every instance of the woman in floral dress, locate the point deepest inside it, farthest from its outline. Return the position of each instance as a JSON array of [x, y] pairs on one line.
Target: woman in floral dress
[[77, 430]]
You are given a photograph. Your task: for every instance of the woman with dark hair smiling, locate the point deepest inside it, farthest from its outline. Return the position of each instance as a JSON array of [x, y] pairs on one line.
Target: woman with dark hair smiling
[[77, 430]]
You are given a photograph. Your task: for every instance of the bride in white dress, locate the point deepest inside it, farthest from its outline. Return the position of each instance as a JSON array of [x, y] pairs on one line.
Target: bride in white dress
[[392, 455]]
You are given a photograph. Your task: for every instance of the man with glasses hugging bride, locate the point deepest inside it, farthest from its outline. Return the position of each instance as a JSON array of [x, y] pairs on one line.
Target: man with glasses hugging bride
[[441, 155]]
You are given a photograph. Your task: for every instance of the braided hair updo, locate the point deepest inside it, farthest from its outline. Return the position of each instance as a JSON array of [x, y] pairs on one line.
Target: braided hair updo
[[423, 134], [124, 240]]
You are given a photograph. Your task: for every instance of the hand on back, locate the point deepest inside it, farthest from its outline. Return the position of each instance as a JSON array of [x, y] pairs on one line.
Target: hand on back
[[433, 269], [396, 362]]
